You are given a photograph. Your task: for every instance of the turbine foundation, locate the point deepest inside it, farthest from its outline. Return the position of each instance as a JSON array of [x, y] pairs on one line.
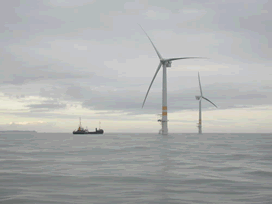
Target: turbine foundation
[[199, 127]]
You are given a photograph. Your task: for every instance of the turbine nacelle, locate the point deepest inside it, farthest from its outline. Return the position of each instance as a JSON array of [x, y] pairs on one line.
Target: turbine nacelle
[[197, 97], [168, 63]]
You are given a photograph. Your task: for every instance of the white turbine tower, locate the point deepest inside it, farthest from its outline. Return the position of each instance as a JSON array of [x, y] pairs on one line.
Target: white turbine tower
[[200, 98], [165, 63]]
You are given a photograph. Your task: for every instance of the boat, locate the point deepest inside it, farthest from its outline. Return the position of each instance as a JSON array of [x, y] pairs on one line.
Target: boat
[[81, 130]]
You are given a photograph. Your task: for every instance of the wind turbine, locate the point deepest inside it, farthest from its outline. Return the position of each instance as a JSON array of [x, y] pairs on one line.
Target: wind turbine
[[200, 98], [164, 63]]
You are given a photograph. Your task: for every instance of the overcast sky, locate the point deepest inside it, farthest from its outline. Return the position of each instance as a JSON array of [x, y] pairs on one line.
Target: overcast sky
[[65, 59]]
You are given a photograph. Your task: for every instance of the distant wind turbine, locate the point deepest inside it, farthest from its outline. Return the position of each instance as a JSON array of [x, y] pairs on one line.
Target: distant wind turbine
[[165, 63], [200, 98]]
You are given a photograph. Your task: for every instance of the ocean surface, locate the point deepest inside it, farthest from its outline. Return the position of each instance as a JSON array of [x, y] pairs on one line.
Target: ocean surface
[[135, 168]]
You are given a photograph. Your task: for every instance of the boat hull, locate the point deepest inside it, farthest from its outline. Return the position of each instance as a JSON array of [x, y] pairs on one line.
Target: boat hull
[[83, 133]]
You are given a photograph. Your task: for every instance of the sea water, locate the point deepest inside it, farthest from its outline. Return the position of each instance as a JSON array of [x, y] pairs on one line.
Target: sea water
[[135, 168]]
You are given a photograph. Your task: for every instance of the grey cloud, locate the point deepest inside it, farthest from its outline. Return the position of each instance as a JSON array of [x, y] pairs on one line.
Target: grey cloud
[[129, 102], [20, 79], [107, 102], [14, 96], [105, 62], [46, 106], [250, 96], [75, 92], [22, 75], [41, 127], [267, 87]]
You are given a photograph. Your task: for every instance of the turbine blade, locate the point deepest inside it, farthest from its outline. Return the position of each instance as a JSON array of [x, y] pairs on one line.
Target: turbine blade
[[199, 84], [172, 59], [152, 83], [209, 101], [159, 55]]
